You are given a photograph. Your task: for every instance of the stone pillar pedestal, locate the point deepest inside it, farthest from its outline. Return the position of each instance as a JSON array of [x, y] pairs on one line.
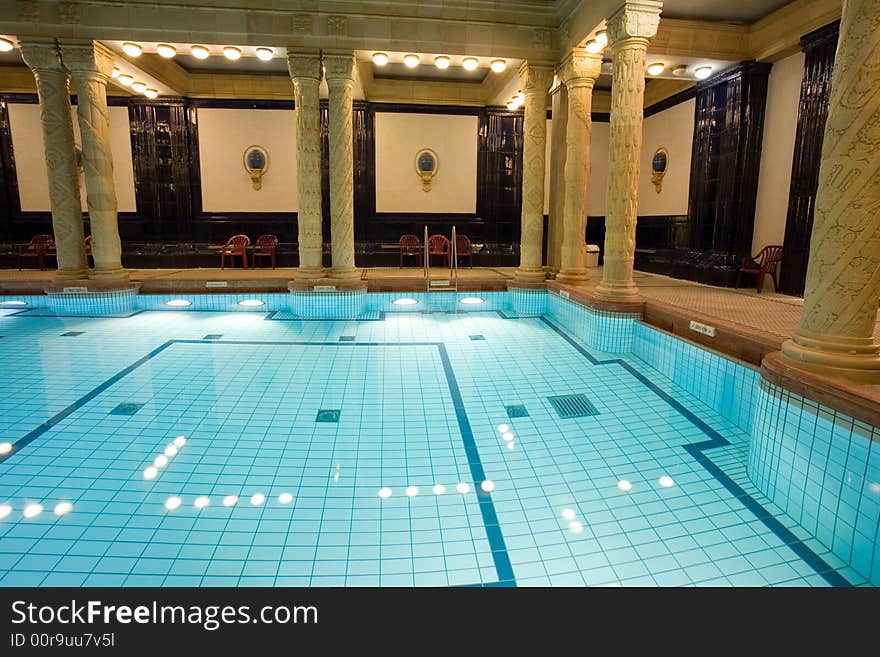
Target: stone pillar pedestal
[[629, 30], [53, 89], [579, 72], [535, 83], [305, 70], [339, 72], [836, 335], [90, 64]]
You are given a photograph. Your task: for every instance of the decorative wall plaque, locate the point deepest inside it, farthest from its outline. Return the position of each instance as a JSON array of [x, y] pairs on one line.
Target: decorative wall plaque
[[659, 165], [256, 163], [427, 164]]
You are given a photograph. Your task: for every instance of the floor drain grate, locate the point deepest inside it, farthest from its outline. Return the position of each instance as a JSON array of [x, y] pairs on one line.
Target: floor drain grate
[[126, 409], [517, 410], [569, 406], [477, 337], [328, 415], [346, 338], [71, 334], [213, 336]]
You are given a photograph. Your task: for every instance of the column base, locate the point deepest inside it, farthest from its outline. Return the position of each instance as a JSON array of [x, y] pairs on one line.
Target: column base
[[110, 275], [310, 274], [851, 359], [345, 273], [573, 276], [618, 290], [70, 276], [529, 275]]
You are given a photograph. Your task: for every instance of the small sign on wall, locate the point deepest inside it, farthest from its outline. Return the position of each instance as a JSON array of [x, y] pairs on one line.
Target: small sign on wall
[[703, 328]]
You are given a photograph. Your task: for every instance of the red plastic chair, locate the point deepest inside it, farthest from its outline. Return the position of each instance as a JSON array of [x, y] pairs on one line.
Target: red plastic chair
[[265, 248], [410, 245], [766, 262], [39, 247], [463, 249], [235, 246], [438, 245]]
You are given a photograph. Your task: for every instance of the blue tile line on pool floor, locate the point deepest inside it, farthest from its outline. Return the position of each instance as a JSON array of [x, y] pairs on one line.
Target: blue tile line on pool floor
[[717, 440], [500, 557]]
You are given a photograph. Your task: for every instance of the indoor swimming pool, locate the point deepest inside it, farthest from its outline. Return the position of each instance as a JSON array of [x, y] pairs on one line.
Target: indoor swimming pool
[[477, 445]]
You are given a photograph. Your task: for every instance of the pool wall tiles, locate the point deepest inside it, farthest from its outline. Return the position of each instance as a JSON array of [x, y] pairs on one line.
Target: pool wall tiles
[[605, 331], [728, 387], [436, 302], [525, 301], [823, 469], [117, 302], [214, 302], [340, 304]]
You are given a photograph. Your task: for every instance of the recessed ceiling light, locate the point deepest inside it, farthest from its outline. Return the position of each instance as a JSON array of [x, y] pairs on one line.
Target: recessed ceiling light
[[679, 70], [5, 448], [232, 53], [285, 498], [166, 50], [230, 500], [151, 93], [6, 45], [5, 510], [441, 62], [576, 526], [125, 79], [170, 451], [411, 491], [384, 493], [521, 96], [180, 441], [380, 58], [503, 428], [602, 38], [439, 489], [200, 52], [114, 73], [624, 485], [150, 473], [257, 499], [593, 46], [702, 72], [656, 68], [13, 303], [63, 508], [33, 510], [470, 63], [251, 303], [498, 65], [173, 503], [132, 49], [405, 301], [471, 301], [512, 105], [568, 514], [138, 87], [487, 485], [507, 436], [462, 488], [265, 54], [160, 461], [201, 502], [666, 481], [411, 61]]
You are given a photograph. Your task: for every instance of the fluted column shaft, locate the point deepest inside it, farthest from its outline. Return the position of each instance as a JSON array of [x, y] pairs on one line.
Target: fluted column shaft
[[305, 70], [843, 276], [535, 83], [579, 74], [91, 64], [53, 89], [339, 72], [559, 105], [629, 30]]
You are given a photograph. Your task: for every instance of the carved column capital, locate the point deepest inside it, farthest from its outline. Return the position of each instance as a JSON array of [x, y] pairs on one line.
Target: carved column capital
[[41, 55], [634, 21], [535, 78], [580, 69], [91, 59], [339, 68], [304, 65]]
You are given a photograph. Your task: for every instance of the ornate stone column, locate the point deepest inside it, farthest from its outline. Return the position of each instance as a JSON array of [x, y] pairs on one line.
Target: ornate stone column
[[535, 83], [629, 30], [559, 105], [53, 89], [580, 72], [843, 276], [339, 71], [90, 64], [305, 70]]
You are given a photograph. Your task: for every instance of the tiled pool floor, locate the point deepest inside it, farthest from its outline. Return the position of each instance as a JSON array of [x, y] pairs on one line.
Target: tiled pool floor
[[319, 426]]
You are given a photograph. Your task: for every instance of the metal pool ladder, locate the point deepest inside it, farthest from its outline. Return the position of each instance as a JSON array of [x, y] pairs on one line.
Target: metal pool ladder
[[448, 282]]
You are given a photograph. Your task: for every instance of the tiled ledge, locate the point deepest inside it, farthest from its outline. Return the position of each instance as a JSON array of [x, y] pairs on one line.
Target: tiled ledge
[[859, 401]]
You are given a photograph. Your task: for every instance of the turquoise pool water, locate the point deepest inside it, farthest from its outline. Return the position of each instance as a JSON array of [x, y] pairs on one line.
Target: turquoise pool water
[[409, 449]]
